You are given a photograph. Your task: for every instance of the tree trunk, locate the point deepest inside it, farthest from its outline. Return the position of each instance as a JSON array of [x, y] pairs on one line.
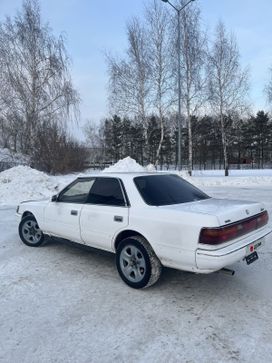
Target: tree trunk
[[161, 141], [224, 144], [190, 145]]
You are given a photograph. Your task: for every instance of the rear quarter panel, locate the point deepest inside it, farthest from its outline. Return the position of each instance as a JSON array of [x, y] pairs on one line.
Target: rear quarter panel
[[172, 234]]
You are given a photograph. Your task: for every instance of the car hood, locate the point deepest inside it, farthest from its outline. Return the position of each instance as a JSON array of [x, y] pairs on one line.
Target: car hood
[[35, 200], [226, 210]]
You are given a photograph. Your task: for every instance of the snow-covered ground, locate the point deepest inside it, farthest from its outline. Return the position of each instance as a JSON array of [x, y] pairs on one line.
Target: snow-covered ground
[[236, 172], [59, 303]]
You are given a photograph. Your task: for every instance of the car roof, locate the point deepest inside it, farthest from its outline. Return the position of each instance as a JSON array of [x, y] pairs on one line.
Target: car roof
[[122, 175]]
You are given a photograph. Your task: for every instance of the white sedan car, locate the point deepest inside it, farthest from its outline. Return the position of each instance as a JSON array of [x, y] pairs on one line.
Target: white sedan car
[[149, 220]]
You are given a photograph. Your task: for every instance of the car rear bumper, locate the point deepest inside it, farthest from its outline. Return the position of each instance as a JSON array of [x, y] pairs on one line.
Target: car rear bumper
[[212, 260]]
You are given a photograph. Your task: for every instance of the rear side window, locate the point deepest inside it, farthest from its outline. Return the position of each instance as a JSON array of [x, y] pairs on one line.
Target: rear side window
[[106, 191], [167, 189]]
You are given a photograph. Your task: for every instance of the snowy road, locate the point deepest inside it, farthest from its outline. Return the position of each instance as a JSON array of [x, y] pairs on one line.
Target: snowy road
[[59, 303]]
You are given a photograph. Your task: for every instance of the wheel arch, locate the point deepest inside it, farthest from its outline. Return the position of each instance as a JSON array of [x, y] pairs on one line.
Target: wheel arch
[[27, 213], [125, 234]]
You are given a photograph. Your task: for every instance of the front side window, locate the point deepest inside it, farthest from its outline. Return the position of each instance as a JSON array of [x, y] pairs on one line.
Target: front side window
[[167, 189], [106, 191], [77, 192]]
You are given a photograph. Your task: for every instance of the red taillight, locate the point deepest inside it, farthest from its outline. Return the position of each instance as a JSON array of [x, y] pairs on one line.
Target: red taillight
[[262, 219], [215, 236]]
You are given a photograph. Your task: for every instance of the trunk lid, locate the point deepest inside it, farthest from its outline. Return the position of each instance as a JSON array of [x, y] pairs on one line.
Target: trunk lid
[[226, 210]]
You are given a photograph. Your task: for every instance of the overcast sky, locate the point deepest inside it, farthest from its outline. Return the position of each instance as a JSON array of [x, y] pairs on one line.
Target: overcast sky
[[94, 26]]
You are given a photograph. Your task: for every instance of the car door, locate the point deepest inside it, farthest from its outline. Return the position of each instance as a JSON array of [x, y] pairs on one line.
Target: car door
[[105, 213], [62, 216]]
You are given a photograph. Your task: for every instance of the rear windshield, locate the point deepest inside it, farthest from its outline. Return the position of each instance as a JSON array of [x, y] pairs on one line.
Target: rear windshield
[[167, 189]]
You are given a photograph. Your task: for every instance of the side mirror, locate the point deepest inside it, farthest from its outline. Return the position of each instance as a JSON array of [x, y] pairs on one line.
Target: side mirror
[[54, 198]]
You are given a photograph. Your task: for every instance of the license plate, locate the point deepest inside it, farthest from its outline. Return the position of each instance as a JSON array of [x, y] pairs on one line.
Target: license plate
[[253, 246], [251, 258]]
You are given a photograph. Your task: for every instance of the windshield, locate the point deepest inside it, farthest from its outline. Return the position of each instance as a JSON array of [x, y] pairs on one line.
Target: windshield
[[167, 189]]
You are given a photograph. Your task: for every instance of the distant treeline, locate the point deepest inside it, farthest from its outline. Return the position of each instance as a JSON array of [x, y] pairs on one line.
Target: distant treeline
[[249, 141]]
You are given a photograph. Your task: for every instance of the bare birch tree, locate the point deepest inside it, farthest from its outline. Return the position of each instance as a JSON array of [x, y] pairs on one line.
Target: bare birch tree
[[268, 87], [228, 83], [129, 78], [193, 58], [36, 86], [157, 28], [141, 84]]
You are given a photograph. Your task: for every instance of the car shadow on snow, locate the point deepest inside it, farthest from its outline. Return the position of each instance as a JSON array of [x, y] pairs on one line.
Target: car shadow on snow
[[103, 263]]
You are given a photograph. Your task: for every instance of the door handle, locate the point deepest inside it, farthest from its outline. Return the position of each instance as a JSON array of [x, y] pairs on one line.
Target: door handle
[[118, 219], [74, 212]]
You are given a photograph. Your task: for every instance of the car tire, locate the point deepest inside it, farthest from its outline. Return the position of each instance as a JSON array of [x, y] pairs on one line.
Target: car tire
[[137, 263], [30, 233]]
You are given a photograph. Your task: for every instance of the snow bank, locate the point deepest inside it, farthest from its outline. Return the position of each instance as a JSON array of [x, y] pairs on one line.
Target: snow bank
[[150, 168], [125, 165], [22, 183]]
